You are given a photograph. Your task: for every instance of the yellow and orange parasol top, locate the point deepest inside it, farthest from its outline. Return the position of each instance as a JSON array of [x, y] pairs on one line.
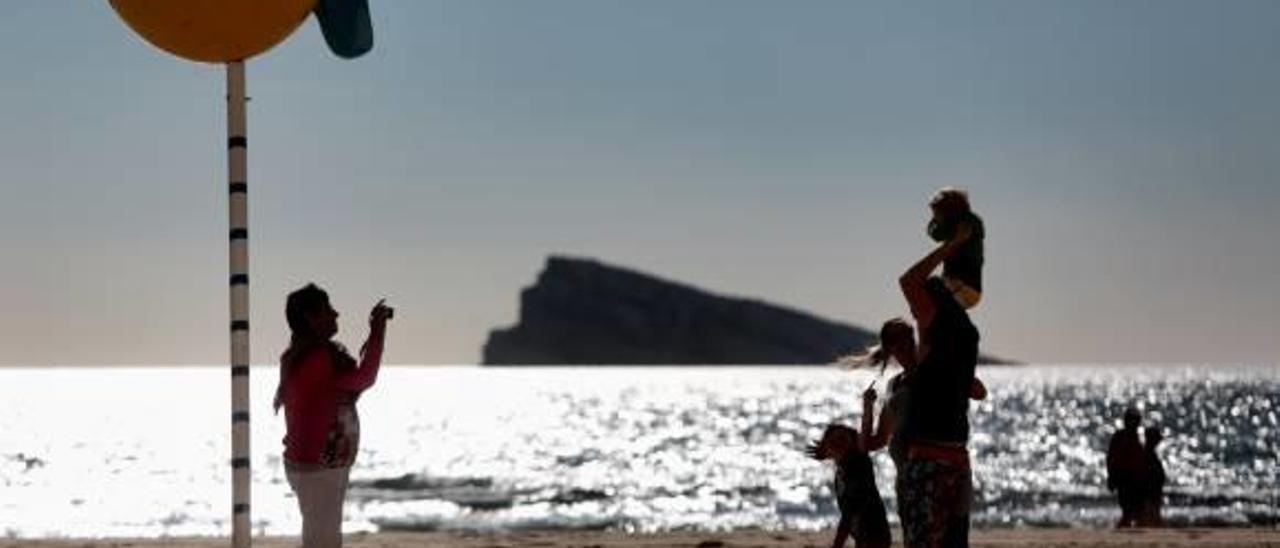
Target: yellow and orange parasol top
[[221, 31]]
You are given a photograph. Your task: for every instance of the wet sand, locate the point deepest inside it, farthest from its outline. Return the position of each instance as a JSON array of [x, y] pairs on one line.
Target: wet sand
[[1038, 538]]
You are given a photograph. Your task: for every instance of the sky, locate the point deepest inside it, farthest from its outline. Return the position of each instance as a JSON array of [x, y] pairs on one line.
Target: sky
[[1124, 155]]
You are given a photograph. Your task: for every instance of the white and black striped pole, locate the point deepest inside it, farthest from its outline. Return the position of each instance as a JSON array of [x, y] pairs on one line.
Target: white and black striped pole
[[238, 204]]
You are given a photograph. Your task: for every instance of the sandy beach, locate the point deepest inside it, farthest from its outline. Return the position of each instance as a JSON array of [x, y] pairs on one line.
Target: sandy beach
[[1041, 538]]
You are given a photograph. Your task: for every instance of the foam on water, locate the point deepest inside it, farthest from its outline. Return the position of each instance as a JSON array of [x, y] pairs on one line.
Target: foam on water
[[143, 452]]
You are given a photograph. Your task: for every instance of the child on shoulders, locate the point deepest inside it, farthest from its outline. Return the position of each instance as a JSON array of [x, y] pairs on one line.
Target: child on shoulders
[[962, 272]]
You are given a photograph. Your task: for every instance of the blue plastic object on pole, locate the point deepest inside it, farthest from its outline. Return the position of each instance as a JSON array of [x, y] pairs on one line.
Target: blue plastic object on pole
[[346, 26]]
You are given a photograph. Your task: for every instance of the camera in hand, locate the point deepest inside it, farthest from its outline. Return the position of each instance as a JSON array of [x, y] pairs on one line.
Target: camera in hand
[[382, 304]]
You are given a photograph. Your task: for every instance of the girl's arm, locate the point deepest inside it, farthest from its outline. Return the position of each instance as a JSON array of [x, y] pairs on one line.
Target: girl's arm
[[874, 439]]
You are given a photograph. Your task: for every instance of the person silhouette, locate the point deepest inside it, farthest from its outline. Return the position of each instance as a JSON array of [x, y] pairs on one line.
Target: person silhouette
[[862, 512], [897, 343], [1125, 464], [1153, 479], [962, 270], [319, 385], [937, 485]]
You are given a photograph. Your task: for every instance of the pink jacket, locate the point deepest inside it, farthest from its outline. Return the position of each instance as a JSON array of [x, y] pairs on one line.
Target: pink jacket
[[312, 395]]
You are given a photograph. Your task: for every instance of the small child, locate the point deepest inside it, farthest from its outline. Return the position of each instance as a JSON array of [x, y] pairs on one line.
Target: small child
[[861, 509], [1153, 480], [963, 270]]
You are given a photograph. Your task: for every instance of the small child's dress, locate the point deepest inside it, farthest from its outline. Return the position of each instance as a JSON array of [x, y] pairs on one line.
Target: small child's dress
[[859, 499]]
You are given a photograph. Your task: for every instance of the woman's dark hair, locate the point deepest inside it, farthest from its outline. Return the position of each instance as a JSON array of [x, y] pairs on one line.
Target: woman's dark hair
[[302, 305]]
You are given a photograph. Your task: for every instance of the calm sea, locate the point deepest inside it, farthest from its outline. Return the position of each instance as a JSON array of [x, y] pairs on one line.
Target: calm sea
[[143, 451]]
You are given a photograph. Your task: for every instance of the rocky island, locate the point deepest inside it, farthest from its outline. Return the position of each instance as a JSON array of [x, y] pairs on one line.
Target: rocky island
[[583, 312]]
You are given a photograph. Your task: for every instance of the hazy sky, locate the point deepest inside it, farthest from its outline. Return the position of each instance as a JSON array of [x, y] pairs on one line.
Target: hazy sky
[[1125, 155]]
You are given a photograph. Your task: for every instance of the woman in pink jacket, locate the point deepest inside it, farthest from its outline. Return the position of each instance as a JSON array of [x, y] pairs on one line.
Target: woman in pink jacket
[[319, 385]]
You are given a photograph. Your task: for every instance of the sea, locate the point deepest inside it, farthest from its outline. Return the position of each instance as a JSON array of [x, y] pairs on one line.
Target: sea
[[143, 452]]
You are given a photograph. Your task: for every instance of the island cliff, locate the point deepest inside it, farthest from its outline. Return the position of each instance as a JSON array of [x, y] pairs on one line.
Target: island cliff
[[583, 312]]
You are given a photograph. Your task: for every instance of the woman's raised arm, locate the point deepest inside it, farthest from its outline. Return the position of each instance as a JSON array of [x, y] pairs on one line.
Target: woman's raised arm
[[912, 281], [370, 354]]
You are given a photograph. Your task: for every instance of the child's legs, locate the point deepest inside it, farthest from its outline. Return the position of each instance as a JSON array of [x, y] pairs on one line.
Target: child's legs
[[968, 297], [874, 542], [872, 530]]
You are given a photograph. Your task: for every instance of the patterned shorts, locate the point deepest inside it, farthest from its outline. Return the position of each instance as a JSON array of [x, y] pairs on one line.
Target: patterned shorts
[[934, 504]]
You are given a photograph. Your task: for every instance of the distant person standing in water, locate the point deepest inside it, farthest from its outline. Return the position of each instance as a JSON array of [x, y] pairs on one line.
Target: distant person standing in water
[[937, 483], [961, 270], [1125, 463], [319, 385], [1153, 479]]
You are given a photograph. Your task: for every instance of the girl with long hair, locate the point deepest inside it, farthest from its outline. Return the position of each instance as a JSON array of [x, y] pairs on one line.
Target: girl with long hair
[[897, 344]]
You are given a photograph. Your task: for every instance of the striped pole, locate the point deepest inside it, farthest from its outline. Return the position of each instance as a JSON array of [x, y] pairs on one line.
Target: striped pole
[[238, 203]]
